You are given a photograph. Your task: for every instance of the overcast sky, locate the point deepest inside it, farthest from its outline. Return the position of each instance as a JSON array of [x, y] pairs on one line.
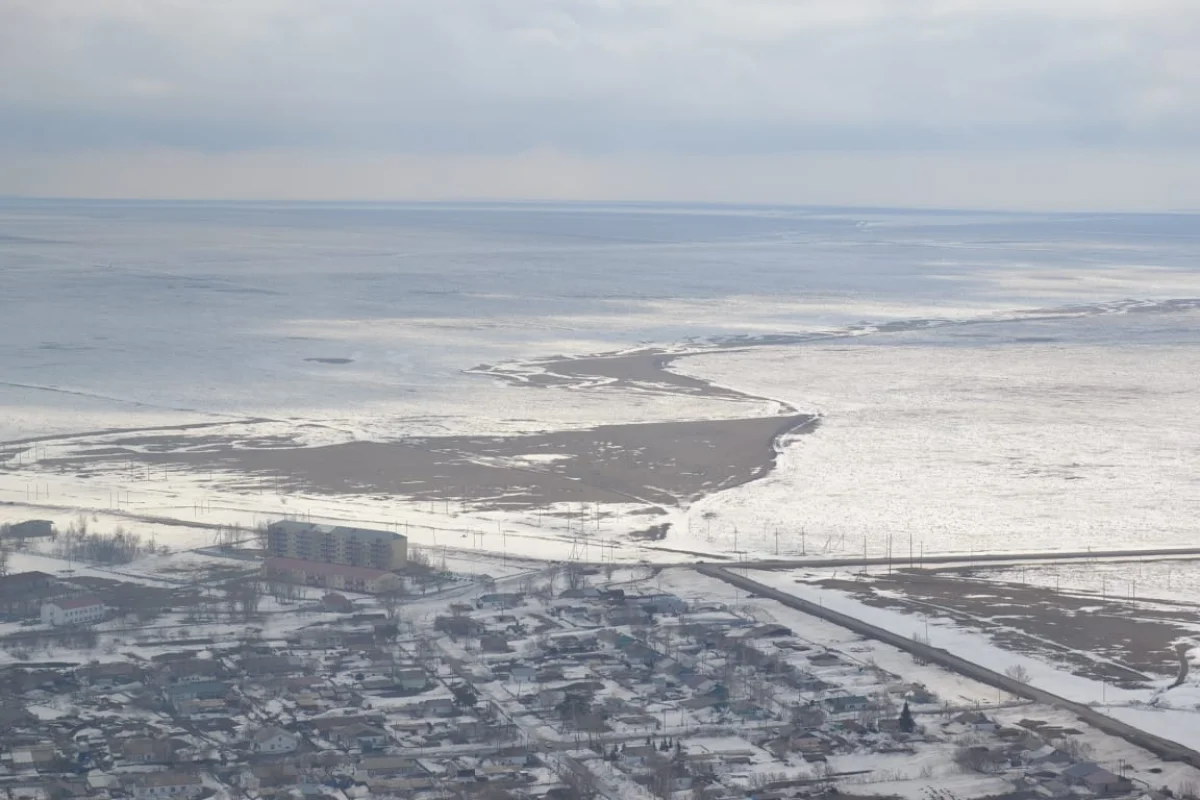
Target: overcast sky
[[1000, 103]]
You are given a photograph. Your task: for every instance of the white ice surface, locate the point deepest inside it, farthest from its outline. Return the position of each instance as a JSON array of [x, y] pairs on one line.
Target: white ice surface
[[962, 448]]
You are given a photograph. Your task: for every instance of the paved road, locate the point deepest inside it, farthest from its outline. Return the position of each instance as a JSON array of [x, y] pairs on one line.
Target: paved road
[[1163, 748], [968, 558]]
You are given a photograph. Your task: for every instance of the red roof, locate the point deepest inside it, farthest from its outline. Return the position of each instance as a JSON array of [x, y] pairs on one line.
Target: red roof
[[86, 601], [321, 568]]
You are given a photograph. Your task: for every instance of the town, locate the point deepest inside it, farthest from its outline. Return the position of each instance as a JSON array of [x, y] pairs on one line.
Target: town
[[316, 661]]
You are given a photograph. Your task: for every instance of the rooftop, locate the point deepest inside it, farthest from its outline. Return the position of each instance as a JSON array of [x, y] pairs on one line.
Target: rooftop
[[294, 527], [169, 779], [85, 601], [266, 734]]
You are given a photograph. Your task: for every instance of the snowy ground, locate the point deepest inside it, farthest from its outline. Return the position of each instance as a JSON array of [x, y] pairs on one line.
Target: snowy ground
[[989, 445], [1147, 579]]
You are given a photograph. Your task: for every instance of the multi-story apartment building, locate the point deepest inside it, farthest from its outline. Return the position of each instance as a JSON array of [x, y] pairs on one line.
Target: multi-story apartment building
[[334, 544], [330, 576]]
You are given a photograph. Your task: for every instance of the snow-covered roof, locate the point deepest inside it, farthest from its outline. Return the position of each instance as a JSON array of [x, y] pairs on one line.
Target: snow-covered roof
[[83, 601]]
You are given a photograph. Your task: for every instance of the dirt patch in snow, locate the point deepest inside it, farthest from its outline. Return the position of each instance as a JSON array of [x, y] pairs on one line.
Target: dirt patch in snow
[[1125, 643]]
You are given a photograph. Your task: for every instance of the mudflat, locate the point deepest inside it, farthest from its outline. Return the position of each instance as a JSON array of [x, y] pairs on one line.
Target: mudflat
[[652, 464]]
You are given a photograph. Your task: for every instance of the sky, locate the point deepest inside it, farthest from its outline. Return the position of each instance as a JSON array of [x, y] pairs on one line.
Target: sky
[[1058, 104]]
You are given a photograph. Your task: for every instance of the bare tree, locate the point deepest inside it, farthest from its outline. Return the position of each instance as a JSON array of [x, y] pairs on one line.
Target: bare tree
[[1077, 749], [392, 600], [579, 780], [576, 576], [244, 595], [976, 758], [260, 536], [1018, 673], [662, 778], [920, 638]]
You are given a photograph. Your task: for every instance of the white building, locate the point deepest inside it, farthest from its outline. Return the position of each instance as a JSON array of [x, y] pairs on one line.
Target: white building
[[274, 740], [166, 784], [73, 611]]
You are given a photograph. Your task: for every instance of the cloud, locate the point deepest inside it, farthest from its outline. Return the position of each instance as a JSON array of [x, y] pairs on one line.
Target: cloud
[[1041, 180], [566, 97], [595, 76]]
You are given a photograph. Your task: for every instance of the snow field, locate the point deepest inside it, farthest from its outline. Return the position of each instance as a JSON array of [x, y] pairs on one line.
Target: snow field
[[963, 449]]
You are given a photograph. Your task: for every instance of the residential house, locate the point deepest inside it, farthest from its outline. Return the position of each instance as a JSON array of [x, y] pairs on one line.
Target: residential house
[[585, 593], [152, 785], [493, 643], [412, 680], [295, 686], [268, 666], [323, 725], [500, 600], [274, 740], [627, 615], [34, 756], [391, 767], [847, 703], [659, 603], [14, 716], [196, 690], [1046, 755], [82, 610], [194, 670], [144, 750], [22, 593], [1095, 778], [29, 529], [274, 775], [825, 659], [438, 707], [458, 627], [808, 716], [512, 757], [62, 788], [639, 756], [210, 709], [337, 603], [767, 630], [360, 735], [976, 721], [111, 674], [523, 673], [700, 684]]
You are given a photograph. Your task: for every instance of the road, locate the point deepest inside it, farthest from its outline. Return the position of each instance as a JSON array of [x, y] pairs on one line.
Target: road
[[965, 558]]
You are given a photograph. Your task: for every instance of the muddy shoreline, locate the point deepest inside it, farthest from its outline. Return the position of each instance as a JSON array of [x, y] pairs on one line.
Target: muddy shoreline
[[654, 465]]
